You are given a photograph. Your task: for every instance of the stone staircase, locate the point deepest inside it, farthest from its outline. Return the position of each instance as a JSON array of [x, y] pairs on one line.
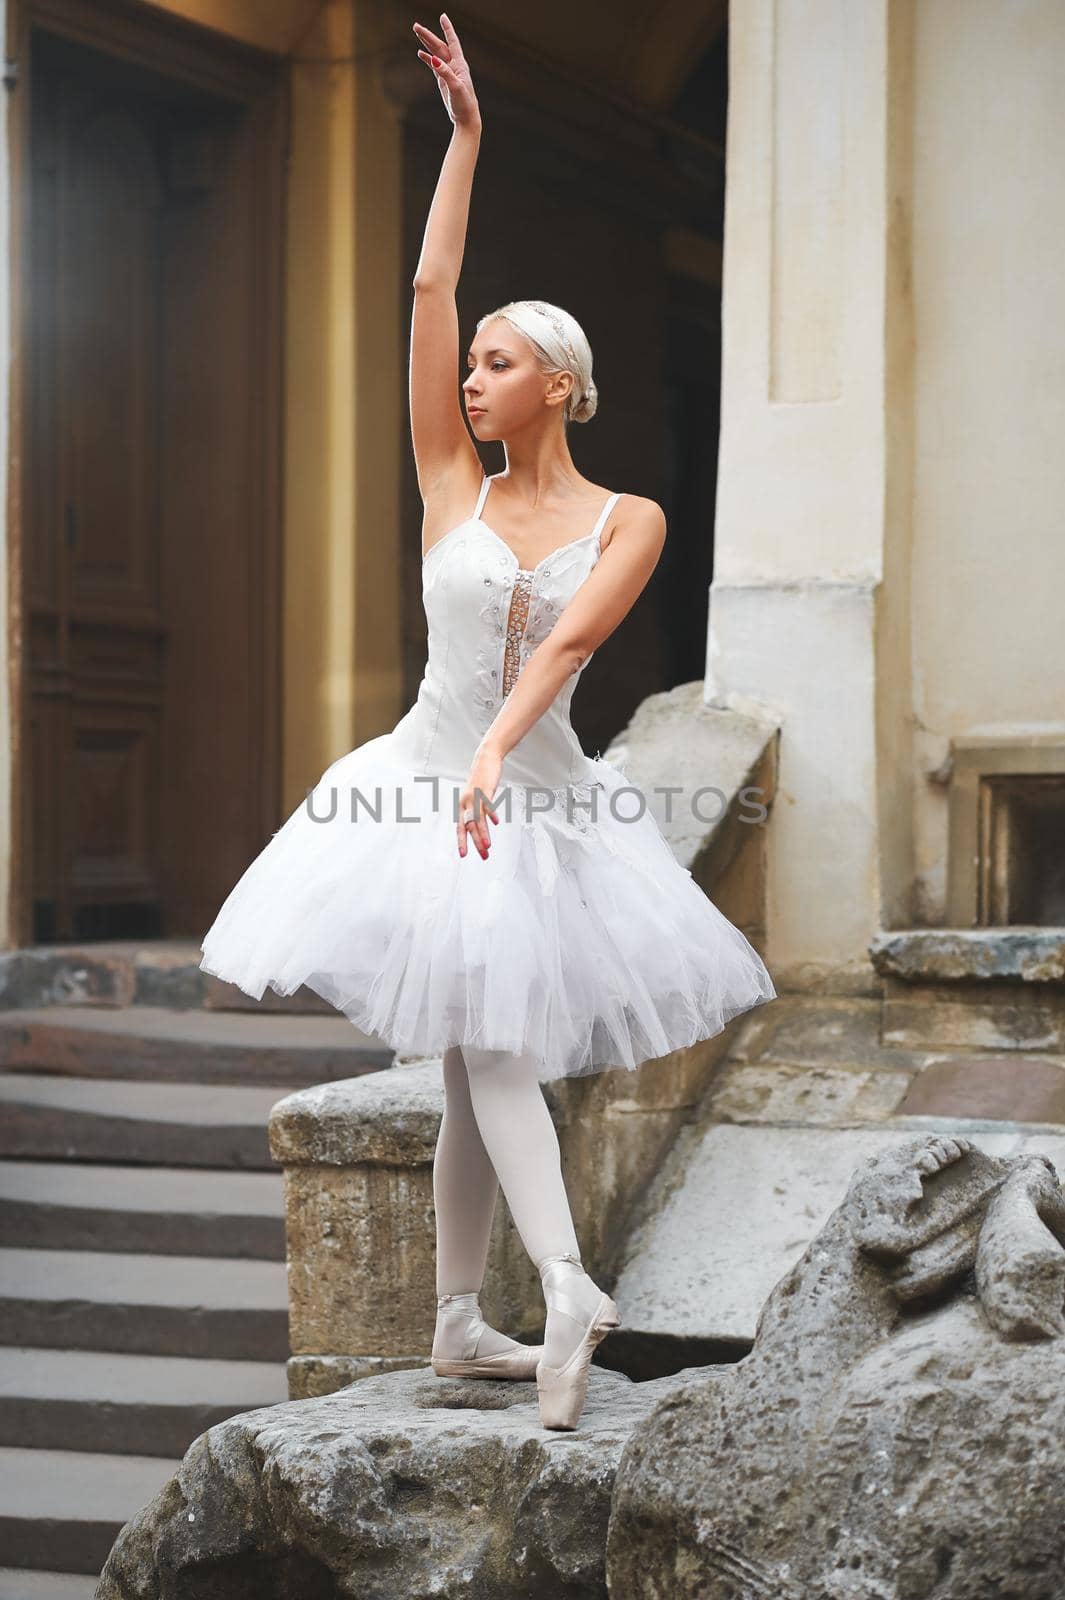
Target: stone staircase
[[143, 1284]]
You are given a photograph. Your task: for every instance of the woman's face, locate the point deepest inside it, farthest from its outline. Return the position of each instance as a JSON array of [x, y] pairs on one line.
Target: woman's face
[[504, 390]]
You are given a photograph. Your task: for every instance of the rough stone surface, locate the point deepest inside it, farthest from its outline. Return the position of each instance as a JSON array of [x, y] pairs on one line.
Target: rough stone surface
[[770, 1150], [392, 1120], [310, 1376], [996, 1014], [44, 975], [819, 1030], [402, 1485], [712, 755], [777, 1091], [896, 1433], [1031, 953], [123, 972], [733, 1209]]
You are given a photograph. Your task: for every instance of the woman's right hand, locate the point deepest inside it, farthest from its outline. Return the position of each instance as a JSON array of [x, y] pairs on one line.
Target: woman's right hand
[[444, 57]]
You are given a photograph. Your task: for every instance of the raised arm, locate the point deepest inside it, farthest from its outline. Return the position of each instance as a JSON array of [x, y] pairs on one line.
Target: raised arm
[[439, 431]]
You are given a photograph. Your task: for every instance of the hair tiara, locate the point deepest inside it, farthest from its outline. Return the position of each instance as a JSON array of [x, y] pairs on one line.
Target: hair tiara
[[555, 321]]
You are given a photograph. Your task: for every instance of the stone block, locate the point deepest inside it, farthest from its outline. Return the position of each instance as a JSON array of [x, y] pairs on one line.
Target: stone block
[[1010, 1088], [1002, 1015], [402, 1484], [775, 1092]]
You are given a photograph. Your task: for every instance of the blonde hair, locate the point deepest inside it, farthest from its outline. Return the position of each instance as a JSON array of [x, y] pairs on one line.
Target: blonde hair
[[560, 345]]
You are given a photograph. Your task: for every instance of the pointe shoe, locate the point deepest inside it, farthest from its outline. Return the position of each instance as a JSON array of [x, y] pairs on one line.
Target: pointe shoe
[[518, 1363], [562, 1390]]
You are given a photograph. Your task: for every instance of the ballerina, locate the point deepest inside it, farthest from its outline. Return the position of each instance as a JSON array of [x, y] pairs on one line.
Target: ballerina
[[570, 939]]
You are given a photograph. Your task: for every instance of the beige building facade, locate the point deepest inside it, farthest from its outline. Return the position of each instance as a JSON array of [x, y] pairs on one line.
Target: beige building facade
[[890, 566]]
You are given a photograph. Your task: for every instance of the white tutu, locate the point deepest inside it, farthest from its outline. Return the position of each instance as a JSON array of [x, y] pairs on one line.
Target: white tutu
[[581, 939]]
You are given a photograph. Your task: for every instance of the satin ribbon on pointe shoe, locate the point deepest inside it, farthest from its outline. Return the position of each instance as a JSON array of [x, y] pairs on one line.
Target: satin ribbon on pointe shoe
[[518, 1363], [562, 1390]]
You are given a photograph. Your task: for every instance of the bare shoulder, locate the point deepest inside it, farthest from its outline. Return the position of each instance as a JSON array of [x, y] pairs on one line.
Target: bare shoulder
[[635, 516]]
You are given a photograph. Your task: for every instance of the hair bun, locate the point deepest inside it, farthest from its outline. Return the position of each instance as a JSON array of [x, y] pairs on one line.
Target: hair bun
[[585, 407]]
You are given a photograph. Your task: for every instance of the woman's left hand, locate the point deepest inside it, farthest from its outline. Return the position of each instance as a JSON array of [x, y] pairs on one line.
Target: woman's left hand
[[445, 58], [475, 802]]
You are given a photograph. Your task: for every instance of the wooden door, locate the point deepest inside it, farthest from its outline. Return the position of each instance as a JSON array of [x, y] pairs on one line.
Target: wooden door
[[153, 483]]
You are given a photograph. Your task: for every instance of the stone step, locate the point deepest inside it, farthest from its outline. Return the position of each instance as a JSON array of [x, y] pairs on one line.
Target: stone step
[[180, 1125], [97, 1400], [145, 1304], [24, 1584], [186, 1211], [163, 1045], [985, 989], [821, 1062], [132, 972], [63, 1509]]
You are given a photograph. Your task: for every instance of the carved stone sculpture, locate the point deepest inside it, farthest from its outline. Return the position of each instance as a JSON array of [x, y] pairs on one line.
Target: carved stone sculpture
[[897, 1431]]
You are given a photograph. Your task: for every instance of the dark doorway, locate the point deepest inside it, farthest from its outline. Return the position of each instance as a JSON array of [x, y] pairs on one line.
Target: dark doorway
[[693, 376], [151, 295]]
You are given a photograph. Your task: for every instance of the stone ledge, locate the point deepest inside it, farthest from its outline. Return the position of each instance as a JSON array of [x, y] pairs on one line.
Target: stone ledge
[[388, 1118], [1028, 953]]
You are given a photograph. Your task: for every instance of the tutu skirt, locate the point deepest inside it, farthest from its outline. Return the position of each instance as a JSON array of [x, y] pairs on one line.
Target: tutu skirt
[[581, 940]]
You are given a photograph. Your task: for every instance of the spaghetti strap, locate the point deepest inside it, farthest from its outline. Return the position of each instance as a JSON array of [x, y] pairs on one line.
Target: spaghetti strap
[[599, 521], [480, 498], [611, 503]]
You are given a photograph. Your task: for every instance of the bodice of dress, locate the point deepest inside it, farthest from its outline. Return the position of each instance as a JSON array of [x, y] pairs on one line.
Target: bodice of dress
[[486, 616]]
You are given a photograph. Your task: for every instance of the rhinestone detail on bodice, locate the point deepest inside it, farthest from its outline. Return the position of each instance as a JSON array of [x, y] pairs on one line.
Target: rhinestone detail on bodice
[[517, 620]]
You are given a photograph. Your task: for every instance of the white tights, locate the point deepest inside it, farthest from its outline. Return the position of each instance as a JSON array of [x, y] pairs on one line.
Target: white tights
[[497, 1132]]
